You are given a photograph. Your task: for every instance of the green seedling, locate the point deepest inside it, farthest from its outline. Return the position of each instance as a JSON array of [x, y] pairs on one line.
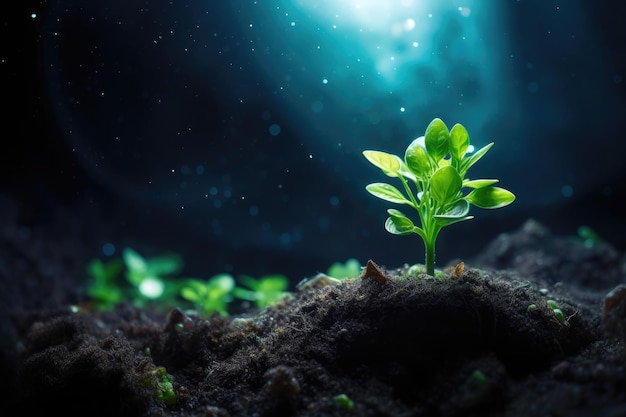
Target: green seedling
[[349, 269], [150, 276], [558, 313], [104, 288], [435, 165], [589, 237], [160, 382], [265, 291], [210, 296], [344, 402]]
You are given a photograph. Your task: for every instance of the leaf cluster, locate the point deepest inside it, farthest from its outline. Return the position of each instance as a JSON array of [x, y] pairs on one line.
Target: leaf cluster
[[155, 281], [433, 174]]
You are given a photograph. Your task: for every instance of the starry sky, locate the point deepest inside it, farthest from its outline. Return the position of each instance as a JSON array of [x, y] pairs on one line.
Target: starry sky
[[235, 128]]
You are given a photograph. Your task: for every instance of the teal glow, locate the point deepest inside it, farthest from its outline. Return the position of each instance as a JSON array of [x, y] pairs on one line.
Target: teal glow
[[397, 34]]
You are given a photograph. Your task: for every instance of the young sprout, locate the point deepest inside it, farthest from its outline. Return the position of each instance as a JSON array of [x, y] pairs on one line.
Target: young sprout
[[349, 269], [433, 177], [265, 291], [210, 296], [344, 402], [556, 309], [149, 276], [104, 288]]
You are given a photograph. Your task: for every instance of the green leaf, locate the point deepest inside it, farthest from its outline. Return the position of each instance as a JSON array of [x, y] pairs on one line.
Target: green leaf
[[222, 283], [406, 172], [478, 183], [387, 192], [349, 269], [134, 261], [443, 221], [165, 265], [445, 185], [473, 158], [273, 283], [398, 223], [416, 159], [437, 139], [388, 163], [459, 142], [191, 294], [460, 208], [490, 197], [456, 213]]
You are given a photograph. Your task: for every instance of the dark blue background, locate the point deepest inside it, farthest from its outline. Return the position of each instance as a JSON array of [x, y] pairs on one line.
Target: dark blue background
[[231, 132]]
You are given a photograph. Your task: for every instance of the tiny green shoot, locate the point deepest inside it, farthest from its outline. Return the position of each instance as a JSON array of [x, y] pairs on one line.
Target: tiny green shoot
[[344, 402], [209, 296], [349, 269], [161, 382], [150, 275], [556, 309], [433, 176], [589, 237], [265, 291], [104, 288]]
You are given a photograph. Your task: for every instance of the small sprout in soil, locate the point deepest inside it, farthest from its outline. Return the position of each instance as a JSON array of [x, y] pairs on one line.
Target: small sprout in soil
[[150, 276], [558, 313], [104, 288], [477, 388], [161, 382], [265, 291], [589, 237], [210, 296], [531, 307], [435, 165], [349, 269], [344, 402]]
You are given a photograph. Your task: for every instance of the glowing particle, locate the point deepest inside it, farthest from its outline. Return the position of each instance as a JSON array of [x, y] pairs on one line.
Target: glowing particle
[[293, 24], [108, 249], [465, 11], [324, 81], [402, 109], [409, 24], [274, 129], [33, 15], [416, 44]]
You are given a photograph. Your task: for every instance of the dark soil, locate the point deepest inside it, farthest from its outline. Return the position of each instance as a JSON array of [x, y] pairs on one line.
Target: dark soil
[[467, 345]]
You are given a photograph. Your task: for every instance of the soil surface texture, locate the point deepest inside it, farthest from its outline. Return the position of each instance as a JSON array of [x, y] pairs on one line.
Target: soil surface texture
[[532, 326]]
